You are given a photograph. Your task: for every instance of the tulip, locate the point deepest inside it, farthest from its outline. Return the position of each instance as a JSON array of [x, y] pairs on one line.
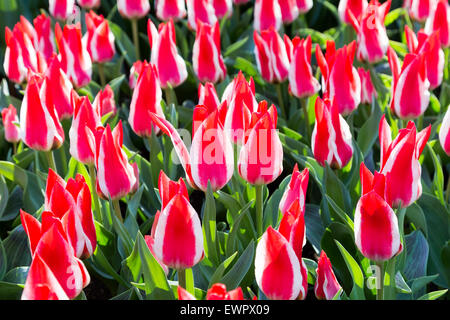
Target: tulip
[[439, 19], [61, 9], [20, 42], [372, 37], [170, 9], [104, 102], [99, 38], [296, 190], [277, 268], [376, 227], [271, 56], [13, 64], [146, 99], [115, 176], [75, 59], [133, 9], [302, 82], [410, 95], [218, 291], [207, 59], [207, 96], [178, 237], [420, 9], [200, 10], [267, 14], [430, 46], [355, 7], [44, 42], [340, 78], [368, 92], [223, 8], [39, 125], [304, 5], [183, 294], [171, 66], [135, 71], [10, 119], [399, 162], [89, 4], [326, 285], [331, 140], [444, 133], [289, 10]]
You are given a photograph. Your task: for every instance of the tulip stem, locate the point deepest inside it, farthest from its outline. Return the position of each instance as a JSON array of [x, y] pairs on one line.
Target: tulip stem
[[51, 160], [280, 99], [182, 278], [447, 191], [101, 73], [380, 290], [171, 98], [117, 211], [93, 176], [304, 103], [134, 27], [259, 209], [14, 148]]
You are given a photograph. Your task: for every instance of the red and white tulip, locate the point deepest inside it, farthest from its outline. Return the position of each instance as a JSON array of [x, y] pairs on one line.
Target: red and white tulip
[[326, 285], [10, 119], [99, 38]]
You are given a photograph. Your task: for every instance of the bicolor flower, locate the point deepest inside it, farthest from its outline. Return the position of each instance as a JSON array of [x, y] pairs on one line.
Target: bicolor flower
[[368, 92], [271, 56], [302, 82], [171, 66], [304, 5], [170, 9], [439, 19], [200, 10], [75, 59], [104, 102], [10, 119], [326, 285], [399, 162], [410, 95], [45, 38], [355, 7], [207, 95], [89, 4], [331, 139], [444, 133], [261, 157], [218, 291], [296, 190], [223, 8], [115, 176], [420, 9], [267, 14], [340, 79], [178, 237], [14, 64], [207, 59], [289, 10], [135, 71], [99, 38], [61, 9], [133, 9], [372, 36], [146, 99], [376, 227]]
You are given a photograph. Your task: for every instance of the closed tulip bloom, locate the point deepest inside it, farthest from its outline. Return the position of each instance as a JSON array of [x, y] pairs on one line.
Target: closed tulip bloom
[[89, 4], [444, 133], [135, 71], [75, 59], [399, 162], [10, 119], [39, 125], [376, 226], [170, 9], [420, 9], [289, 10], [439, 19], [146, 98], [372, 36], [99, 38], [115, 176], [277, 268], [44, 42], [200, 10], [82, 131], [410, 95], [13, 64], [304, 5], [331, 140], [207, 96], [430, 46], [133, 9], [368, 92], [271, 56], [355, 7], [340, 79], [104, 102], [206, 56], [171, 66], [218, 291], [24, 35], [223, 8], [296, 190], [261, 157], [267, 14], [302, 82], [326, 285], [61, 9]]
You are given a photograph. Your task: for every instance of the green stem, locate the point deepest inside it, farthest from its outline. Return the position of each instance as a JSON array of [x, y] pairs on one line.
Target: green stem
[[14, 148], [93, 176], [380, 290], [117, 211], [134, 27], [182, 278], [259, 209], [447, 192], [304, 103], [280, 99], [101, 73], [171, 97], [51, 160]]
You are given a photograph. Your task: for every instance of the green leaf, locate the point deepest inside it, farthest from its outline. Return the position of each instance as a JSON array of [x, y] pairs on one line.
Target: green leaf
[[416, 255], [209, 227], [311, 266], [124, 239], [400, 284], [17, 249], [217, 275], [355, 271], [433, 295], [3, 260], [17, 275], [103, 266], [393, 15], [123, 42], [416, 216], [368, 133], [438, 180], [235, 47], [237, 273], [314, 226], [336, 190], [343, 217], [10, 291], [236, 229]]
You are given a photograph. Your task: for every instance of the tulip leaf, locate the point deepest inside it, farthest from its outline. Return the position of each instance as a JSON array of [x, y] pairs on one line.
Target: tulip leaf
[[343, 217], [271, 208], [433, 295], [217, 275], [233, 278], [314, 226], [123, 42], [101, 264], [3, 260], [416, 255], [368, 133], [357, 275], [16, 275], [17, 249], [416, 216], [336, 191], [236, 229], [311, 266], [393, 15], [10, 291], [209, 227], [438, 180]]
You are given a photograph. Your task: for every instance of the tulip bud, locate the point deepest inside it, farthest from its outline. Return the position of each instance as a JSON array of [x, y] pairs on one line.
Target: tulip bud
[[89, 4], [223, 8], [99, 38], [170, 9], [296, 190], [271, 56], [289, 10], [13, 64], [104, 102], [267, 15], [61, 9], [439, 19], [44, 42], [444, 133], [133, 9], [331, 139], [207, 96], [207, 47], [261, 157], [368, 92], [218, 291], [355, 7], [420, 9], [304, 5], [200, 10], [326, 285], [183, 294], [75, 59], [165, 53], [10, 119]]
